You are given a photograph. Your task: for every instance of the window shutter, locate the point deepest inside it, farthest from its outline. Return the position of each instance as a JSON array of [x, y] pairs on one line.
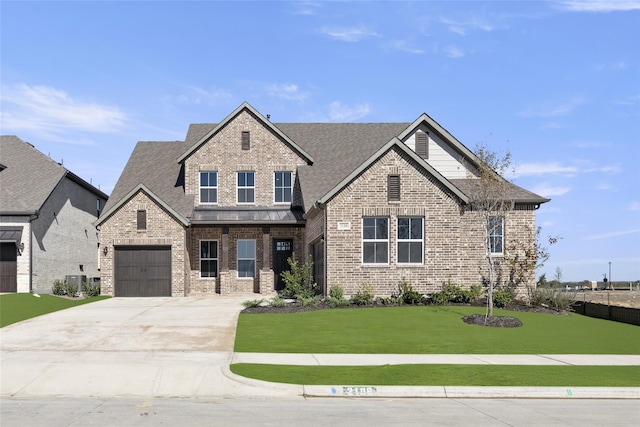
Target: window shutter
[[245, 140], [422, 144], [393, 188], [142, 220]]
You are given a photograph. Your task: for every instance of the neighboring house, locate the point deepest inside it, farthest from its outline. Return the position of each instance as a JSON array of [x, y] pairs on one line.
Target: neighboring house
[[46, 220], [370, 203]]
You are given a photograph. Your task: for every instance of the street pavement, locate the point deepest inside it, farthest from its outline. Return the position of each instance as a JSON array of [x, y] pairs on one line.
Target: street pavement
[[182, 347]]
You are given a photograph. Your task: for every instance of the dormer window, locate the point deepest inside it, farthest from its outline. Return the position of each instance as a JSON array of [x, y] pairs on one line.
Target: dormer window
[[246, 140], [422, 144]]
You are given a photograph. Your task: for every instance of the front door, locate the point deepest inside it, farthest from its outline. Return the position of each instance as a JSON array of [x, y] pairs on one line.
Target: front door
[[8, 267], [282, 250]]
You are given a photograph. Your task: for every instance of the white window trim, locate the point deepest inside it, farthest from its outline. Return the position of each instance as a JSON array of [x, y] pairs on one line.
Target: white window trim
[[200, 187], [275, 188], [399, 240], [362, 242], [246, 187], [490, 234], [238, 259], [200, 259]]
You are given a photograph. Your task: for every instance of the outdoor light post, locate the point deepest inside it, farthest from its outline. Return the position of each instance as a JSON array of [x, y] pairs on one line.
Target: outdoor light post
[[610, 282]]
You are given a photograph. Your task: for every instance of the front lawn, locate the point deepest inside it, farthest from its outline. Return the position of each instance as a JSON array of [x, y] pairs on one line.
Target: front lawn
[[445, 375], [430, 330], [18, 307]]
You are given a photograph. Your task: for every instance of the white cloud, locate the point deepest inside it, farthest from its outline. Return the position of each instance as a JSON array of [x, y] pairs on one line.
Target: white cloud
[[194, 95], [464, 27], [288, 91], [598, 5], [406, 46], [536, 169], [349, 34], [306, 7], [454, 52], [51, 112], [344, 113], [548, 190], [612, 234], [634, 206], [555, 110]]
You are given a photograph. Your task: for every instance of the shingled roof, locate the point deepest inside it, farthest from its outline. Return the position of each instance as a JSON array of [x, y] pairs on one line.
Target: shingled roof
[[29, 177], [338, 150]]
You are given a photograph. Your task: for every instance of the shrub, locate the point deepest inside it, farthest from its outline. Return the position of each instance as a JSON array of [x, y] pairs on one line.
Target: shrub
[[277, 301], [252, 303], [438, 298], [407, 294], [336, 297], [502, 298], [299, 280], [364, 296], [310, 301], [552, 298], [90, 289], [58, 288], [72, 289]]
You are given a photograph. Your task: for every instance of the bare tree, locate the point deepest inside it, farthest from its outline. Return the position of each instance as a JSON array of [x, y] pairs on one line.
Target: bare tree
[[490, 196]]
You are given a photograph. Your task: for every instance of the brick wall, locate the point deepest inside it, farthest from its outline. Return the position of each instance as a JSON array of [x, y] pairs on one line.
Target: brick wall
[[162, 229], [453, 239], [223, 153]]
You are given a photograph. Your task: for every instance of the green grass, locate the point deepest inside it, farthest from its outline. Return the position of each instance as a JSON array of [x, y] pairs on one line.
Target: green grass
[[446, 375], [18, 307], [430, 330]]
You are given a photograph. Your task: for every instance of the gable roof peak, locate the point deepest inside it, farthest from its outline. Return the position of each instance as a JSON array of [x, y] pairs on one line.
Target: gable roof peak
[[245, 106]]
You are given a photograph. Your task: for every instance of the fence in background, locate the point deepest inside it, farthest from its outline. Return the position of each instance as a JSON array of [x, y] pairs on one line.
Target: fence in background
[[608, 312]]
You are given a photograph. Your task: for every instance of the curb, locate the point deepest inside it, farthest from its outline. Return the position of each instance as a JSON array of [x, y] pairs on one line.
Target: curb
[[459, 392]]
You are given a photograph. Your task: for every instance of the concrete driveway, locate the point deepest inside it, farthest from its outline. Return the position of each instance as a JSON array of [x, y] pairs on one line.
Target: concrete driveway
[[154, 347]]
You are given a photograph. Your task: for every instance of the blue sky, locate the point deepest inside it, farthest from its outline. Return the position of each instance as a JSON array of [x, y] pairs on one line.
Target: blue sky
[[556, 83]]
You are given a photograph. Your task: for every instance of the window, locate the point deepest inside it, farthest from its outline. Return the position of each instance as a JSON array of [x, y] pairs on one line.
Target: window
[[410, 240], [141, 220], [422, 144], [246, 258], [208, 258], [393, 188], [375, 240], [246, 144], [496, 234], [208, 187], [246, 187], [282, 187]]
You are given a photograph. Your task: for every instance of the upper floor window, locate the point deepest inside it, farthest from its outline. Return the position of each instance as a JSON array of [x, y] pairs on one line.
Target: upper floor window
[[208, 258], [246, 140], [422, 144], [208, 187], [246, 258], [410, 240], [246, 187], [141, 220], [375, 240], [282, 187], [496, 235], [393, 188]]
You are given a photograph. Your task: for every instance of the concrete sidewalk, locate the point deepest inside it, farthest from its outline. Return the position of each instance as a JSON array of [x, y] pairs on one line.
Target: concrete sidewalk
[[452, 359]]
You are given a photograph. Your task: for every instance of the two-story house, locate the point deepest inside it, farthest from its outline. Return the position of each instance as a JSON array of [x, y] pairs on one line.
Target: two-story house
[[370, 203], [46, 220]]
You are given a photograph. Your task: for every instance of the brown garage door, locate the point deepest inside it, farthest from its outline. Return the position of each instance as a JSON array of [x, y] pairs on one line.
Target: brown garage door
[[142, 271], [8, 267]]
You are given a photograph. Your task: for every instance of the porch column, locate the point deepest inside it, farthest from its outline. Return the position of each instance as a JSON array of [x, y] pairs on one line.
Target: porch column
[[225, 285], [267, 281]]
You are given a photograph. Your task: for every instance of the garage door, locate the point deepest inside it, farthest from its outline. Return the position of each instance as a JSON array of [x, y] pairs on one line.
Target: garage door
[[142, 271], [8, 267]]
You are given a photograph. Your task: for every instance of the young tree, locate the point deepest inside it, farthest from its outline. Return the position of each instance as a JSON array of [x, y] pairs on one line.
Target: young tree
[[490, 196]]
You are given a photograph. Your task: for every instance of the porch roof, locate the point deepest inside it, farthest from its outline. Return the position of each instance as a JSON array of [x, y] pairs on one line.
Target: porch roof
[[248, 215]]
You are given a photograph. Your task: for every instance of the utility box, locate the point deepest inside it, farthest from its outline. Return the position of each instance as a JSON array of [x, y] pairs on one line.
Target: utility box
[[77, 279]]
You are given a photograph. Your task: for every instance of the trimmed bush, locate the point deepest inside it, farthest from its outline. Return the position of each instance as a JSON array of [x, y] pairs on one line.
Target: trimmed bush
[[502, 298], [58, 288], [407, 294], [252, 303], [364, 296], [277, 301], [90, 289]]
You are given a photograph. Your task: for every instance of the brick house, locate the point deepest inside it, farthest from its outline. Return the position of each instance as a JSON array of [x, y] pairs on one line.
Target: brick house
[[370, 203], [46, 220]]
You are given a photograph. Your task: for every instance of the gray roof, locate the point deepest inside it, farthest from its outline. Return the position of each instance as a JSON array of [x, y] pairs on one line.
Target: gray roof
[[518, 194], [338, 150], [29, 177], [154, 165]]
